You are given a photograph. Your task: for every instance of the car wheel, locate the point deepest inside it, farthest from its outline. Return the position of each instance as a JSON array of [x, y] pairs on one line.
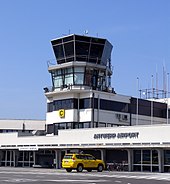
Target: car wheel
[[68, 170], [79, 168], [89, 170], [100, 168]]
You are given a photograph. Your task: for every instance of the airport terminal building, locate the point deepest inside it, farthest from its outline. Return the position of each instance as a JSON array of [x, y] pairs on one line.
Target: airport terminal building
[[84, 113]]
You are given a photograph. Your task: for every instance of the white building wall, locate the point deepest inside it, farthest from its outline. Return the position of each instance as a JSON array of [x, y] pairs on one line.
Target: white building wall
[[53, 117], [144, 136], [85, 115], [113, 117]]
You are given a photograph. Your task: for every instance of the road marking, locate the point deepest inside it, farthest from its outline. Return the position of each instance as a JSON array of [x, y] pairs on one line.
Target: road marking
[[43, 173], [118, 181], [74, 181], [61, 181], [19, 180], [138, 177]]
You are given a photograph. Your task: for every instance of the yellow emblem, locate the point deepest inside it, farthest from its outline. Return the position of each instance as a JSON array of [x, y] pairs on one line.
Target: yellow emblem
[[62, 113]]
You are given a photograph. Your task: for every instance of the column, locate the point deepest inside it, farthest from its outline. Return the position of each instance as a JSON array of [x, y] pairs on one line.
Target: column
[[34, 158], [16, 158], [0, 157], [103, 154], [58, 159], [161, 160], [130, 160], [11, 158], [5, 158]]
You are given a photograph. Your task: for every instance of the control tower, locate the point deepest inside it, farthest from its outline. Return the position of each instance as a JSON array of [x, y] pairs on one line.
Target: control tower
[[82, 71]]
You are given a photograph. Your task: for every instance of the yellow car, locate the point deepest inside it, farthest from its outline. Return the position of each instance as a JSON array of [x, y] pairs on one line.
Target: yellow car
[[82, 161]]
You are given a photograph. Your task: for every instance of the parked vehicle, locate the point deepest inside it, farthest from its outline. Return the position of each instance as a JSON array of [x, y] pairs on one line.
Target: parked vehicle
[[82, 161]]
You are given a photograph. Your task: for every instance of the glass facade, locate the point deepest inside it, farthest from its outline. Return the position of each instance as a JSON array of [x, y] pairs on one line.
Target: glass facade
[[62, 104], [79, 76], [17, 158], [53, 128], [25, 159], [84, 103], [144, 107], [145, 160], [114, 106], [8, 158], [167, 160]]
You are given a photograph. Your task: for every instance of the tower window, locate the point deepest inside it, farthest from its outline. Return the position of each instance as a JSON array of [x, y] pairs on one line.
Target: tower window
[[79, 75]]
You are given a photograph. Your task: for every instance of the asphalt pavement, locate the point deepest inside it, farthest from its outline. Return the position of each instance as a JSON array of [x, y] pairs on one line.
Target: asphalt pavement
[[59, 176]]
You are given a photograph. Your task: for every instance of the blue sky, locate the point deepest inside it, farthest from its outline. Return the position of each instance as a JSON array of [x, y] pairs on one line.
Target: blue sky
[[139, 31]]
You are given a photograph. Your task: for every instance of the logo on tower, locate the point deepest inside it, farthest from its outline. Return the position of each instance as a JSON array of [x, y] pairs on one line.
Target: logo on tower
[[62, 113]]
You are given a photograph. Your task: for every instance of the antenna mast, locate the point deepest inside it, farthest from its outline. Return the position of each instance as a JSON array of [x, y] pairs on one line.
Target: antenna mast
[[164, 81], [157, 95]]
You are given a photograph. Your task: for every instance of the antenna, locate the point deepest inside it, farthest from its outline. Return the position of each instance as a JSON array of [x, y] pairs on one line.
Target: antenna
[[157, 95], [167, 110], [164, 80], [153, 91], [152, 86]]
